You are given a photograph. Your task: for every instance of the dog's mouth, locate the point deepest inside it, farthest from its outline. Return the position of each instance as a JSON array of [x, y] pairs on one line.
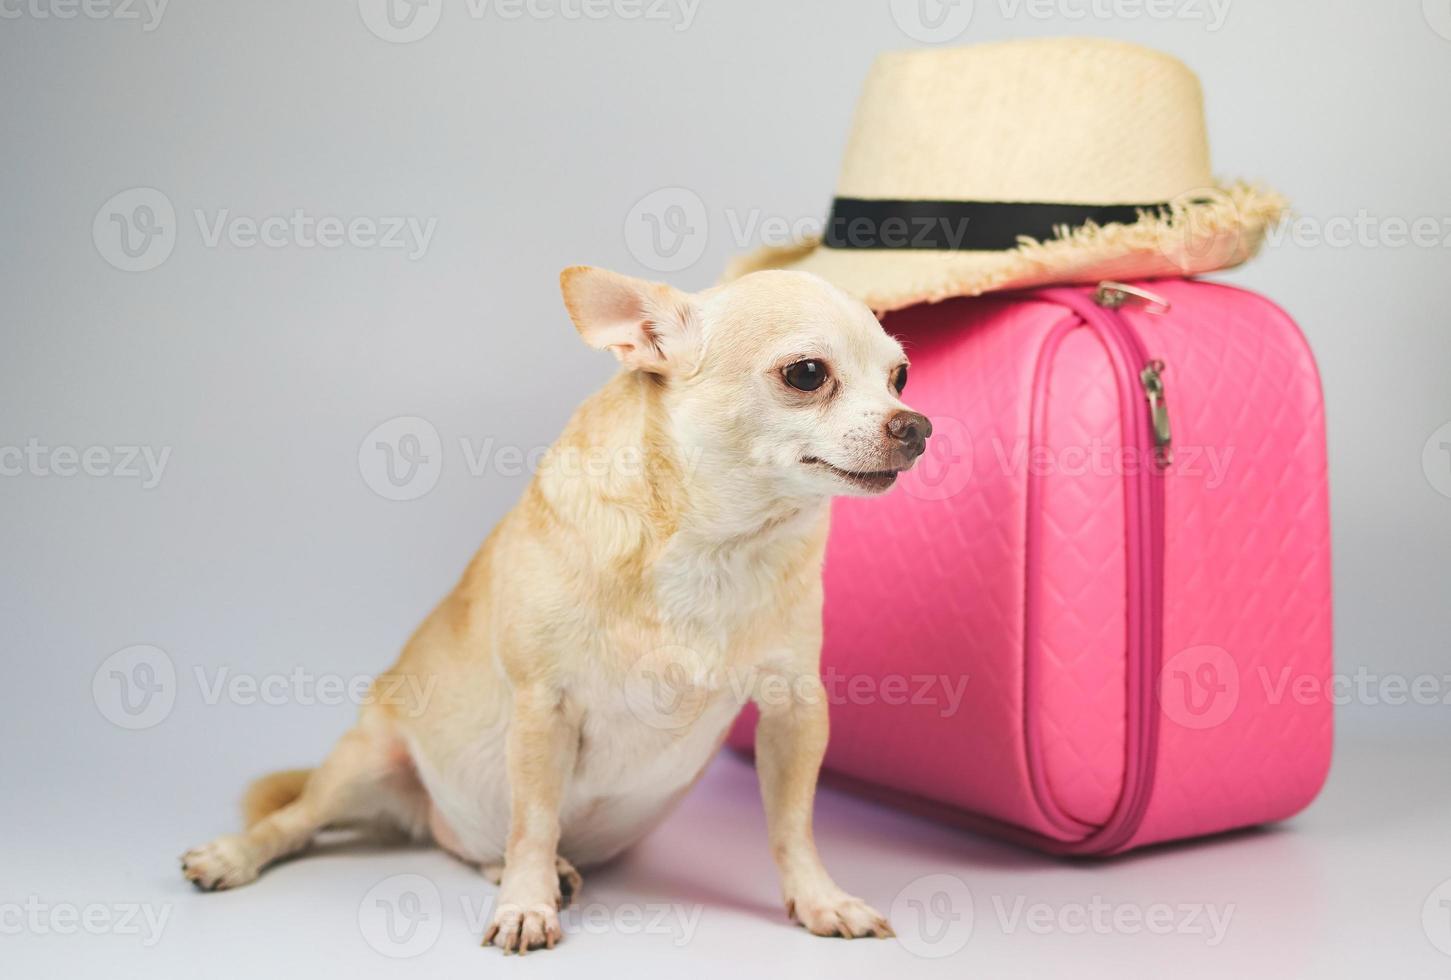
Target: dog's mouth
[[872, 480]]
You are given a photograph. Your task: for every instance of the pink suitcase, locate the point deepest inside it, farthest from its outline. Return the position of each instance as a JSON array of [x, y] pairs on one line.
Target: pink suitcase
[[1097, 613]]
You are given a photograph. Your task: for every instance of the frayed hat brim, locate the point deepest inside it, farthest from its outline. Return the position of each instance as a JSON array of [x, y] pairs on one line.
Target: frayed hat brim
[[1199, 232]]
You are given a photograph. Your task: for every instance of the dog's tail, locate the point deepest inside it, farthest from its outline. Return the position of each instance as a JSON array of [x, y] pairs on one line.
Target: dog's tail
[[273, 792]]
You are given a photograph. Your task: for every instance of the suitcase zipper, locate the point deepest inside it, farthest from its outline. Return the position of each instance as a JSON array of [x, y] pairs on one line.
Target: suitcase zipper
[[1112, 296], [1150, 432], [1152, 378], [1150, 493]]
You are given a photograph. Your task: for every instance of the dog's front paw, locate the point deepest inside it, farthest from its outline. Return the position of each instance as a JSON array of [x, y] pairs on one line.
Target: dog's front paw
[[520, 928], [838, 914], [526, 915], [570, 881], [224, 863]]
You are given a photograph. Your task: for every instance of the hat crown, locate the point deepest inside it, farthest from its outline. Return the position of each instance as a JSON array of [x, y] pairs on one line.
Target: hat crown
[[1070, 120]]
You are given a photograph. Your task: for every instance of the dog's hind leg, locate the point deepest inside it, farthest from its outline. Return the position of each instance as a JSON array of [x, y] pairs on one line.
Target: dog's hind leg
[[368, 778]]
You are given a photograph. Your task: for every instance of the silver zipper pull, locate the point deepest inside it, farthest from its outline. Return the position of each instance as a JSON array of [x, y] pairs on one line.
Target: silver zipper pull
[[1112, 295], [1152, 378]]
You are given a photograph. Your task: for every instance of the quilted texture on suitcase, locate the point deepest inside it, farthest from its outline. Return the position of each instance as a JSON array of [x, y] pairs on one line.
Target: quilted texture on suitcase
[[1043, 632]]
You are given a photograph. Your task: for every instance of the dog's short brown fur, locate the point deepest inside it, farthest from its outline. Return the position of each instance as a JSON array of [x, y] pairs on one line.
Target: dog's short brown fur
[[674, 534]]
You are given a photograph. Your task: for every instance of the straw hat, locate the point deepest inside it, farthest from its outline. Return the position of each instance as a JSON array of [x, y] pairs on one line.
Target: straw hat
[[1022, 163]]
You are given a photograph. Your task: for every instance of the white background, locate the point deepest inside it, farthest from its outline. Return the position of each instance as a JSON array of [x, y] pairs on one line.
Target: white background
[[528, 144]]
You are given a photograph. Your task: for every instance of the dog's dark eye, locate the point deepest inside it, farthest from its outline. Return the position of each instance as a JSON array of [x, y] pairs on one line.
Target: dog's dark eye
[[805, 375], [899, 378]]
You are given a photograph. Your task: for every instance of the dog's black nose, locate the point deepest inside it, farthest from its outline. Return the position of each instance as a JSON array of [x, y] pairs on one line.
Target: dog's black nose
[[910, 430]]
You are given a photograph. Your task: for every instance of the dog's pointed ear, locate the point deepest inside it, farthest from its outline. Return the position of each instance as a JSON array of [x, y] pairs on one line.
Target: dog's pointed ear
[[649, 326]]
